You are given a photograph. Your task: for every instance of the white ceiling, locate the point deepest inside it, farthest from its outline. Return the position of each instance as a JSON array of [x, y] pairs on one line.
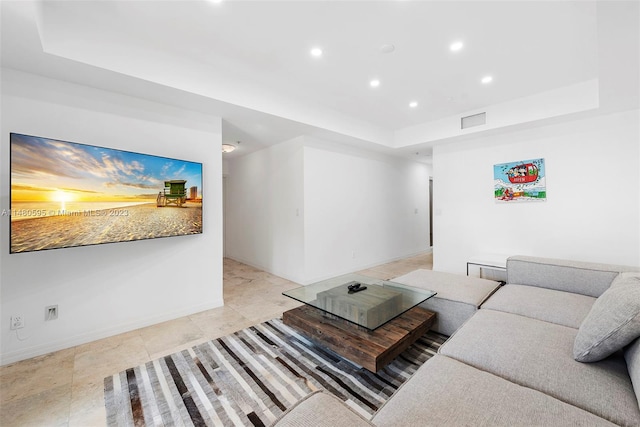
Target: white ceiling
[[249, 61]]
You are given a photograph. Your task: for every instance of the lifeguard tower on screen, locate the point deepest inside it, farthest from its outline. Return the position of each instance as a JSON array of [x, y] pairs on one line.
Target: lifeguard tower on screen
[[175, 193]]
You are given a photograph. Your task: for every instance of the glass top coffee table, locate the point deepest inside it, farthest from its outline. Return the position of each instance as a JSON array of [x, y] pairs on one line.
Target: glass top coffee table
[[367, 326], [359, 299]]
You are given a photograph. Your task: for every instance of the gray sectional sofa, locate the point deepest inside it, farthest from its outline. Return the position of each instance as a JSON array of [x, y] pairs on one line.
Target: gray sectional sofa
[[515, 360]]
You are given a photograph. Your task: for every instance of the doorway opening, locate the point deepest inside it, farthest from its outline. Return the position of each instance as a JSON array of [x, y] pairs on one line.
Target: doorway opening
[[431, 212]]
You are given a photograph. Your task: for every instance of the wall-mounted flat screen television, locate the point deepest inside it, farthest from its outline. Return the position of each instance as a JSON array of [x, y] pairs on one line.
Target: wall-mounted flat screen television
[[66, 194]]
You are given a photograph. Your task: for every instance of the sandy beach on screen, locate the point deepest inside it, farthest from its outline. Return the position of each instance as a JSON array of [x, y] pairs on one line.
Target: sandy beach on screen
[[94, 227]]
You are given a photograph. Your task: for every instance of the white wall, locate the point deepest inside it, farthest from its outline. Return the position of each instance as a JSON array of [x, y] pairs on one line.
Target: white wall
[[592, 212], [106, 289], [301, 209], [361, 209], [265, 210]]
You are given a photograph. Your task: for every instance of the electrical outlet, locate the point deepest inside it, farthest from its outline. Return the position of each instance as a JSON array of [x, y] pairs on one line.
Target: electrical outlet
[[51, 312], [17, 322]]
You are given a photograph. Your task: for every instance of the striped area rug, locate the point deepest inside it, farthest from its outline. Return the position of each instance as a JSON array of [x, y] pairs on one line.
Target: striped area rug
[[249, 378]]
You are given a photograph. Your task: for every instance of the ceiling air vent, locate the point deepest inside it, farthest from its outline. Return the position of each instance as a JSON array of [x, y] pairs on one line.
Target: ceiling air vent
[[474, 120]]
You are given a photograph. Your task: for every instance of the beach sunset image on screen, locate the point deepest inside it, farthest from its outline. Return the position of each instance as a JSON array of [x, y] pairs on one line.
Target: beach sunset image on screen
[[66, 194]]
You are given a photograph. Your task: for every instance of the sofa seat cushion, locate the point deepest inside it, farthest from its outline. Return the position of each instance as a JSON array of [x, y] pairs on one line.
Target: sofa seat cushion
[[539, 355], [612, 323], [563, 308], [321, 409], [446, 392], [458, 297]]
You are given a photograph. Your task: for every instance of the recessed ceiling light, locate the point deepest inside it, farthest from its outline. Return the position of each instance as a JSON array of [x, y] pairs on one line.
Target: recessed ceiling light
[[374, 83], [387, 48], [456, 46], [215, 1], [413, 104], [486, 79], [316, 51]]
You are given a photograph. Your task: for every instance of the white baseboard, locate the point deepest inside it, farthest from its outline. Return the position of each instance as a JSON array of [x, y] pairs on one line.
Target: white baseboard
[[39, 350], [364, 266], [306, 281], [282, 274]]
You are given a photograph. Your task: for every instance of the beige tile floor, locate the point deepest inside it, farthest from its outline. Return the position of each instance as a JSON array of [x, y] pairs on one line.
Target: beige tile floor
[[65, 388]]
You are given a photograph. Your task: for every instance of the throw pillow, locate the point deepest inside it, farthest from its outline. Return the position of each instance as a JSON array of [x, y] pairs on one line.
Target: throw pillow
[[612, 323]]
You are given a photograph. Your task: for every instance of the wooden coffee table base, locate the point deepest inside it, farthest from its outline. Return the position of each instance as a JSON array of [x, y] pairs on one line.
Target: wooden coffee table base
[[370, 349]]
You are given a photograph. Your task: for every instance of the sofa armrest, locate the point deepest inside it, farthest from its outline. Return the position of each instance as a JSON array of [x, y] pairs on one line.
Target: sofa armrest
[[321, 409], [585, 278]]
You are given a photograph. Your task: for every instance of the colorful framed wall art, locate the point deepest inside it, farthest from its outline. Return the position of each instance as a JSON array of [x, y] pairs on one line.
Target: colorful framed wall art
[[521, 181]]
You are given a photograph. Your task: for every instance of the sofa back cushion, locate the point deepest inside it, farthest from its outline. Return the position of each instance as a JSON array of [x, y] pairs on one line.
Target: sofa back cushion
[[584, 278], [632, 356], [612, 323]]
